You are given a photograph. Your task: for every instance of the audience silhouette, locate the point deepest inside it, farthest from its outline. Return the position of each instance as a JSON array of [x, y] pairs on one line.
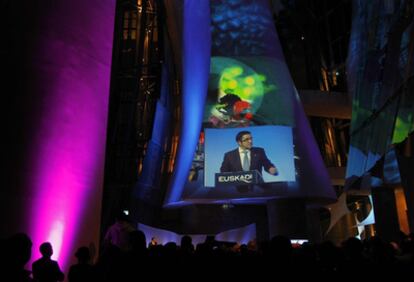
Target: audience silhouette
[[45, 269], [353, 257], [83, 271], [119, 232], [15, 253]]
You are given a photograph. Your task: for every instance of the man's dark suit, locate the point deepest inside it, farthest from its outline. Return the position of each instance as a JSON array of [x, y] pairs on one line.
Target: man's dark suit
[[258, 160]]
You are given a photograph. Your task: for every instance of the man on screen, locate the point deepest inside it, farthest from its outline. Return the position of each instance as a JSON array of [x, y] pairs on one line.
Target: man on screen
[[246, 157]]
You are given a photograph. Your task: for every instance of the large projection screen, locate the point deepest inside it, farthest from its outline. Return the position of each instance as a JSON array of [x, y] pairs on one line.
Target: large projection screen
[[248, 89]]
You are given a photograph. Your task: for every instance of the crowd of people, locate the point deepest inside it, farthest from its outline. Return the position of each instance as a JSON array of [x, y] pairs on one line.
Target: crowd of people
[[125, 256]]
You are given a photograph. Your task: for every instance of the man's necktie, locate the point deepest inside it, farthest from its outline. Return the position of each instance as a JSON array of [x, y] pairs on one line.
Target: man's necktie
[[245, 164]]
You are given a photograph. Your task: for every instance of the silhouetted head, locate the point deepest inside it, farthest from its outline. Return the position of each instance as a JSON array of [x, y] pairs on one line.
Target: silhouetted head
[[138, 240], [83, 254], [186, 240], [46, 249], [281, 246], [18, 250], [353, 247]]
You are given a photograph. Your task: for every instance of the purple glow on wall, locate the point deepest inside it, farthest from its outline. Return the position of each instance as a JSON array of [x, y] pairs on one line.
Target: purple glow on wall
[[71, 64]]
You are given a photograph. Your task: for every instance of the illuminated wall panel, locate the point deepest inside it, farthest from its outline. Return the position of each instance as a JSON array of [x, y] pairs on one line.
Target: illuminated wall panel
[[70, 58]]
